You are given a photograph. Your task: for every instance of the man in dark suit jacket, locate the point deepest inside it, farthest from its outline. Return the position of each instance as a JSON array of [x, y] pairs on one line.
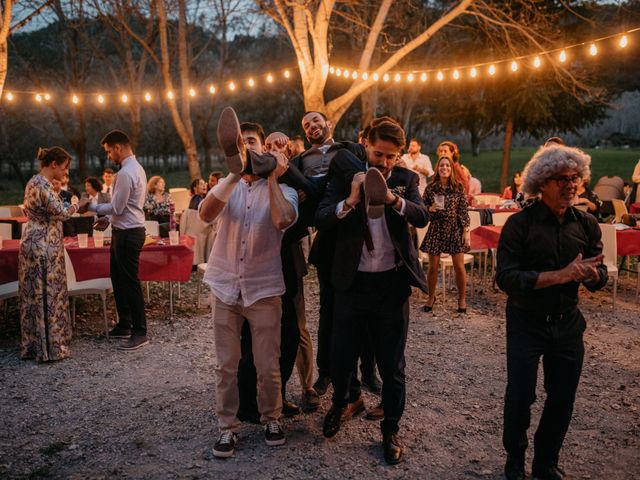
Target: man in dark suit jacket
[[375, 263]]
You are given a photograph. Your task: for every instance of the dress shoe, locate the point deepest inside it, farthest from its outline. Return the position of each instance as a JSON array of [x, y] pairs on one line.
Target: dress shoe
[[375, 192], [375, 413], [550, 473], [310, 401], [290, 409], [392, 448], [332, 420], [514, 468], [371, 383], [230, 139], [321, 385], [462, 309], [353, 409], [262, 164]]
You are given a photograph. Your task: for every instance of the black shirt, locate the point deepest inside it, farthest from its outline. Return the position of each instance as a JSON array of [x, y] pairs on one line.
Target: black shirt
[[534, 241]]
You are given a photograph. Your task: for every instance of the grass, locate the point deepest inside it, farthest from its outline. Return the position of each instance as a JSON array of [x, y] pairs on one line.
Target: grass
[[485, 167]]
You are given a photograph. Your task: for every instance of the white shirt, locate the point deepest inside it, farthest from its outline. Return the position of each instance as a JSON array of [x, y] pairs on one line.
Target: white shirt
[[129, 193], [422, 161], [245, 259], [383, 255], [108, 189]]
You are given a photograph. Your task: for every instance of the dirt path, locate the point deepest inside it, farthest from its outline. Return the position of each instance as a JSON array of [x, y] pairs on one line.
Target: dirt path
[[150, 413]]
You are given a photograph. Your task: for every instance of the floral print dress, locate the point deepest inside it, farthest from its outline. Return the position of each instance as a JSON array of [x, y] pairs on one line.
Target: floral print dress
[[446, 229], [153, 208], [44, 305]]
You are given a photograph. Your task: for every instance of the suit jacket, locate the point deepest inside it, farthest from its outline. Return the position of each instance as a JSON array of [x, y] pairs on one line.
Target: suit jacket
[[350, 231]]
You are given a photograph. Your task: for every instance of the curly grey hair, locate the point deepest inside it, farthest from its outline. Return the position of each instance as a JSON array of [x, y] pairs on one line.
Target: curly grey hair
[[549, 161]]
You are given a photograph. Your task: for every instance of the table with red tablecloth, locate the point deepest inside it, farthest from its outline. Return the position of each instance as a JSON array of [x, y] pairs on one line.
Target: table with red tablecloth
[[9, 261], [159, 261], [634, 208], [628, 242]]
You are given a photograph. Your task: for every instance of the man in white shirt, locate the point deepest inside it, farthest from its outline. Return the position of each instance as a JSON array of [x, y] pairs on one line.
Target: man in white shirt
[[107, 179], [244, 273], [127, 219], [417, 161]]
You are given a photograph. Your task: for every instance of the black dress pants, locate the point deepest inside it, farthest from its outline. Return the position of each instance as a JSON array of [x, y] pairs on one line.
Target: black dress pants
[[558, 340], [125, 258], [380, 302]]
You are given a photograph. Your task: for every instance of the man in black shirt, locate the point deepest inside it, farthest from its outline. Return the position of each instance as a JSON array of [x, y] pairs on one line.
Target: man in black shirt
[[545, 252]]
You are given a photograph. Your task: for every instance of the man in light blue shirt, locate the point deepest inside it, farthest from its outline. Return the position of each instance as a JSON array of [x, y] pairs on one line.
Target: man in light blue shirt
[[127, 219]]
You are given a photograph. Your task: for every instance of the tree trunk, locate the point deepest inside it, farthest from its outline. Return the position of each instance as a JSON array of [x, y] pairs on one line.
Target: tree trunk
[[369, 105], [4, 57], [506, 154], [207, 146], [5, 26], [475, 142]]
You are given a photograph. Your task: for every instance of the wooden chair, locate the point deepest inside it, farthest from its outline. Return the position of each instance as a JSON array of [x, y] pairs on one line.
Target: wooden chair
[[619, 208]]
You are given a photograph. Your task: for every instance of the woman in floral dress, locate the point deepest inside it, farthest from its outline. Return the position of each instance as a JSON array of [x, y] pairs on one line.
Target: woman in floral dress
[[44, 305], [158, 202], [449, 228]]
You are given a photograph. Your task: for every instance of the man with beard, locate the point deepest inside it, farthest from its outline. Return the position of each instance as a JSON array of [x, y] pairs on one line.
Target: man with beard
[[374, 265]]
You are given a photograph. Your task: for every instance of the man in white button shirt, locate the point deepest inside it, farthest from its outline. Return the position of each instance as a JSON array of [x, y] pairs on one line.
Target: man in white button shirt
[[245, 275], [374, 265], [107, 179], [417, 161]]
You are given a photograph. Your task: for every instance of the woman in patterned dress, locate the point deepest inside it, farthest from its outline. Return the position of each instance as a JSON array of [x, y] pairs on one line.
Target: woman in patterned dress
[[157, 203], [44, 305], [449, 229]]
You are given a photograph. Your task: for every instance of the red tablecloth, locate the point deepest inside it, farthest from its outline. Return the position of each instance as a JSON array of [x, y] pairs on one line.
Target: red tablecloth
[[159, 262], [9, 261], [628, 242], [634, 208], [486, 236]]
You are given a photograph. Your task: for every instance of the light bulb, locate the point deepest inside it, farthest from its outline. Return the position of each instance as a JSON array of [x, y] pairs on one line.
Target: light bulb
[[346, 74], [365, 75], [376, 77], [338, 72], [385, 77], [47, 96], [251, 82], [456, 74], [593, 50], [9, 96], [563, 56], [232, 86], [212, 89], [410, 77], [100, 99], [332, 70], [473, 72], [514, 66], [192, 92], [397, 77], [624, 41], [492, 69], [75, 100], [423, 77], [124, 98], [38, 98], [286, 74], [170, 95], [537, 62], [440, 76], [354, 75], [270, 78], [147, 96]]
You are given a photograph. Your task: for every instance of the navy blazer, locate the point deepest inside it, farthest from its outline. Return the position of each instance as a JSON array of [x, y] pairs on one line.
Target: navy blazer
[[350, 231]]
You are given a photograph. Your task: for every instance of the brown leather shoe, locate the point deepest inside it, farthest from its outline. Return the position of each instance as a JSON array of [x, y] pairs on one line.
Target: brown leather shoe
[[353, 409], [375, 191], [375, 413], [332, 420], [392, 448], [230, 139]]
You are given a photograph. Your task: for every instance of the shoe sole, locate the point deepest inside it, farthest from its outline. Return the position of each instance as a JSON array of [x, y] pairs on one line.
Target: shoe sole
[[375, 191], [218, 454], [228, 133], [130, 349], [120, 337], [275, 443], [369, 416]]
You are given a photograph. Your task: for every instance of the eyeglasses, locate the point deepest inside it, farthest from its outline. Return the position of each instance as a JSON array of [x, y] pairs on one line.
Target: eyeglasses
[[563, 180]]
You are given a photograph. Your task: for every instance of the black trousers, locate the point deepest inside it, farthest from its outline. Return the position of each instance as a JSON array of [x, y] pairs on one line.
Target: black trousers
[[379, 301], [558, 340], [125, 258]]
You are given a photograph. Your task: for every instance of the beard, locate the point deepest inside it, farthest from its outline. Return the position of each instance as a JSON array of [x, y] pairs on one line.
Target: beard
[[320, 136]]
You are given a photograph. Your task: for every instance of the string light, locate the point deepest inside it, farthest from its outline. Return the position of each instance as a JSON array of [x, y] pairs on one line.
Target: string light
[[423, 77], [385, 77], [440, 76], [270, 78], [492, 70], [563, 56], [624, 41], [286, 74], [47, 97], [332, 70], [212, 89], [170, 95], [192, 92], [514, 66], [593, 50], [456, 74], [397, 77], [38, 98], [410, 77], [124, 98], [473, 72], [9, 96], [232, 86], [537, 62], [75, 100], [354, 75], [251, 82], [376, 77], [100, 99], [147, 97], [365, 76], [346, 74]]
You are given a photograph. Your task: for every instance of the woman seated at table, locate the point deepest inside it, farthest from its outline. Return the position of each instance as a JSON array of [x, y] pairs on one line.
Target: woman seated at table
[[449, 229], [587, 197], [198, 189], [44, 322], [157, 204], [93, 191]]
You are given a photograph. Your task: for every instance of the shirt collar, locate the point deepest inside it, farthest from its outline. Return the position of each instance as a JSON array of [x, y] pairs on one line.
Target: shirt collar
[[126, 160], [542, 212]]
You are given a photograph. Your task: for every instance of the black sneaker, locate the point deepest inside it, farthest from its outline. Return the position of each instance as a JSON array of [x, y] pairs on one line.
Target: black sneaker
[[134, 342], [226, 445], [119, 332], [274, 434]]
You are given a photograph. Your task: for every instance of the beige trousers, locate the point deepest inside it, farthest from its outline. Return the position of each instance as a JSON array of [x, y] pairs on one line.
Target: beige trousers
[[264, 320], [304, 358]]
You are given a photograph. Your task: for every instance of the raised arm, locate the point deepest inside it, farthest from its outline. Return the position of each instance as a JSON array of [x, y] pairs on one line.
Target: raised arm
[[283, 210], [217, 198]]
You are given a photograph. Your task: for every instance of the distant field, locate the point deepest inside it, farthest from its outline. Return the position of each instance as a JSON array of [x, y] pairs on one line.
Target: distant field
[[485, 167]]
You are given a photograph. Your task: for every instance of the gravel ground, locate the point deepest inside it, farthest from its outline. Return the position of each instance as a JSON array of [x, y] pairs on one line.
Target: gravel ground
[[150, 413]]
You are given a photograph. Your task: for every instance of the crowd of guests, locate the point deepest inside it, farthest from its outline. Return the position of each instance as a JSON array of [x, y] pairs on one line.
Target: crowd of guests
[[363, 202]]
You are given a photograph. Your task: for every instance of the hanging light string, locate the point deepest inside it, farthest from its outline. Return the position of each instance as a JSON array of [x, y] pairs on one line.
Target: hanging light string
[[474, 70], [102, 98]]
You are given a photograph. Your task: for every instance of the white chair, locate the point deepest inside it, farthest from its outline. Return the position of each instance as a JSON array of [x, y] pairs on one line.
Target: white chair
[[5, 231], [202, 268], [475, 222], [500, 218], [152, 228], [99, 286], [181, 200], [610, 252], [203, 233], [7, 291], [5, 212], [177, 189], [107, 232], [487, 199]]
